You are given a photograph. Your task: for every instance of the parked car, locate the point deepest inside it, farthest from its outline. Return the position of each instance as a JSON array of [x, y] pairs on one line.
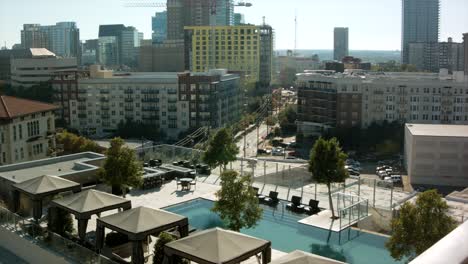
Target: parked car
[[263, 151], [393, 178], [277, 151], [353, 172]]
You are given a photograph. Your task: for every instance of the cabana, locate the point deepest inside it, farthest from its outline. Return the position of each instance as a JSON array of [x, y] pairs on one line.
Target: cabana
[[138, 224], [84, 204], [218, 246], [40, 187], [301, 257]]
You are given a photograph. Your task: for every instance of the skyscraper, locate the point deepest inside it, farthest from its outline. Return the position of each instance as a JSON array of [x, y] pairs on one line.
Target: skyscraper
[[127, 42], [63, 38], [420, 24], [465, 43], [224, 12], [340, 48], [159, 27], [239, 19], [181, 13]]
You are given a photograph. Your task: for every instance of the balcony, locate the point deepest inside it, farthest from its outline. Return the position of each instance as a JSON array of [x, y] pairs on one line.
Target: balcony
[[150, 92], [150, 117], [105, 108], [104, 91], [172, 100], [81, 91], [82, 107], [82, 115], [105, 116], [128, 91], [81, 99], [150, 100], [172, 118], [104, 99], [129, 100], [172, 109], [150, 109], [129, 108], [174, 91]]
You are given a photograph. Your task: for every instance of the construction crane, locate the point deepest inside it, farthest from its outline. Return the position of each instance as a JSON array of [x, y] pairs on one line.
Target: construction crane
[[212, 4], [139, 3]]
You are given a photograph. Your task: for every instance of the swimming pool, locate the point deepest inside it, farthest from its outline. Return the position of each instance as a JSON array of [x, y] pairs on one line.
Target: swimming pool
[[286, 234]]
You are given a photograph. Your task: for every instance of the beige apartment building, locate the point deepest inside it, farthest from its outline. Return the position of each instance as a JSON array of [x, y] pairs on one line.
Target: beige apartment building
[[27, 130], [437, 155], [358, 98]]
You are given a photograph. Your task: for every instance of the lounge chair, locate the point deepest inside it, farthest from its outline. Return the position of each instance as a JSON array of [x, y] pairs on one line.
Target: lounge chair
[[272, 198], [295, 204], [312, 208]]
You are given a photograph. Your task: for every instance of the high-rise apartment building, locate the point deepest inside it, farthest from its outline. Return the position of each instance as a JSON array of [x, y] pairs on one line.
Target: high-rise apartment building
[[434, 56], [168, 101], [465, 44], [420, 24], [247, 50], [63, 38], [239, 19], [159, 27], [341, 45], [162, 57], [327, 99]]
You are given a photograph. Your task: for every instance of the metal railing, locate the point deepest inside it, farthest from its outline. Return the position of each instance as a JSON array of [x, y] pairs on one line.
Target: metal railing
[[48, 240]]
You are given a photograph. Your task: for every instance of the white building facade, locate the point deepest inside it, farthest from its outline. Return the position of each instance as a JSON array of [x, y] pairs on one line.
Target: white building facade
[[437, 155], [107, 100], [39, 68]]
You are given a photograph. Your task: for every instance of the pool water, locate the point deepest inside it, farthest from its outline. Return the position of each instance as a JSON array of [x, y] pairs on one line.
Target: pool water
[[286, 234]]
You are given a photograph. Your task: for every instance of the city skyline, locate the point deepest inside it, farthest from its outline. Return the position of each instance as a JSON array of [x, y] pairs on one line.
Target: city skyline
[[315, 31]]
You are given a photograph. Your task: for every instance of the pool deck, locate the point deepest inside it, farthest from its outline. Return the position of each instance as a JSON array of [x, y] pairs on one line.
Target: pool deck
[[323, 220]]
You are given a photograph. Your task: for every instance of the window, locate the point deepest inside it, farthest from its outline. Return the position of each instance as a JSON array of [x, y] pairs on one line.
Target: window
[[14, 133]]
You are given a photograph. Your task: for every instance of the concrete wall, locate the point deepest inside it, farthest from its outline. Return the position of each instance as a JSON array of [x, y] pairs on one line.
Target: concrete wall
[[26, 250], [438, 161]]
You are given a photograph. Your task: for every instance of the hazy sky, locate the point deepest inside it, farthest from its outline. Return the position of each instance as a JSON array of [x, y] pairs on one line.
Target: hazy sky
[[373, 24]]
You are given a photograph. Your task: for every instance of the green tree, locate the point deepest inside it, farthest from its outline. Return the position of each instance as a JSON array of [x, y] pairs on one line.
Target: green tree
[[237, 203], [287, 119], [419, 225], [221, 149], [163, 239], [327, 165], [121, 168], [72, 143]]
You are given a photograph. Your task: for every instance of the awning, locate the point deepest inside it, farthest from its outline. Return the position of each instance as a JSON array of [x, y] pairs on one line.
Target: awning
[[87, 203], [218, 246], [301, 257], [46, 185]]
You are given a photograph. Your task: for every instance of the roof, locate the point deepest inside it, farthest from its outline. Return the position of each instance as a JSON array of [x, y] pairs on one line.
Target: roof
[[301, 257], [438, 130], [11, 107], [61, 166], [41, 52], [142, 221], [45, 185], [217, 246], [91, 202]]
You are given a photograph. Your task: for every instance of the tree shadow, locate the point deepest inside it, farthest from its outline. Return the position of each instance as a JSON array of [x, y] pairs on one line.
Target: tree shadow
[[328, 251]]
